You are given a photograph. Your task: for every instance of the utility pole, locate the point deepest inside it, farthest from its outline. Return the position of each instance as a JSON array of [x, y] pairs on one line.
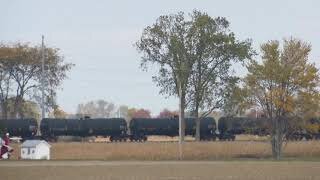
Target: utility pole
[[42, 78]]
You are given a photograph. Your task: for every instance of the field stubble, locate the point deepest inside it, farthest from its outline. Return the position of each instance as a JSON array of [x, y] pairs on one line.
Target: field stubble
[[169, 150]]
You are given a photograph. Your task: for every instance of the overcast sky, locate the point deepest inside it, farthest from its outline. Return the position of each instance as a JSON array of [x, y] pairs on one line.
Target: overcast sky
[[98, 37]]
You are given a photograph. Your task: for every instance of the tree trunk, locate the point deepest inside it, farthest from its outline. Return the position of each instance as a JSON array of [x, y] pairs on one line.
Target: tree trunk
[[18, 112], [276, 140], [5, 110], [198, 129], [197, 121], [15, 107], [181, 115]]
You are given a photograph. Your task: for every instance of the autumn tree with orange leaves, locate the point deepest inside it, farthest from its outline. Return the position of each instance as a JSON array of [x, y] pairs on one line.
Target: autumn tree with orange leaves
[[165, 113], [139, 113], [282, 84]]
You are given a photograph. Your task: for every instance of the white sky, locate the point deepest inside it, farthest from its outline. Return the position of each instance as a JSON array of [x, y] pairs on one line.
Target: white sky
[[98, 37]]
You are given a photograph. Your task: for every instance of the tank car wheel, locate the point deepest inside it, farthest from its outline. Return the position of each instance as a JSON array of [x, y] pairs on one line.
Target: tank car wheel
[[111, 139], [145, 138]]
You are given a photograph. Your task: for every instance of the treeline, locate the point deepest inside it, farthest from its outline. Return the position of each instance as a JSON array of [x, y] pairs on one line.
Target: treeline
[[21, 76], [104, 109]]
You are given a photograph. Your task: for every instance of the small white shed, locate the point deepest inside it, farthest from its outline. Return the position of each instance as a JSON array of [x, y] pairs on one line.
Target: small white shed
[[35, 149]]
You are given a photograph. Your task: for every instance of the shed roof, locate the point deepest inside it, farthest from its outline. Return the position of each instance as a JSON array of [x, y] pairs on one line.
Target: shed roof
[[34, 143]]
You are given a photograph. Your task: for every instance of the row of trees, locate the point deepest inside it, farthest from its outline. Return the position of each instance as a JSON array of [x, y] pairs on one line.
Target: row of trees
[[194, 55], [20, 78], [104, 109]]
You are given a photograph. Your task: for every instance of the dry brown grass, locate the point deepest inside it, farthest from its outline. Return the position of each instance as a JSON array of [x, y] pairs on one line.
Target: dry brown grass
[[150, 139], [246, 137], [169, 150], [187, 138]]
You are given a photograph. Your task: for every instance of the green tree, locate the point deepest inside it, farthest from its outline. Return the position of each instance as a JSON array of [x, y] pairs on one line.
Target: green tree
[[6, 79], [30, 109], [169, 44], [5, 88], [21, 63], [235, 99], [215, 49], [278, 83]]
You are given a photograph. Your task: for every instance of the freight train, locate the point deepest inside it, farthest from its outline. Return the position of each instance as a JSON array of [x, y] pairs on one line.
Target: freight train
[[139, 129], [19, 127], [243, 125], [116, 128], [308, 130]]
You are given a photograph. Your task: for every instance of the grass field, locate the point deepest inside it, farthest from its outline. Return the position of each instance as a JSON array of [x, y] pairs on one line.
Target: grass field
[[159, 170], [169, 150], [238, 160]]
